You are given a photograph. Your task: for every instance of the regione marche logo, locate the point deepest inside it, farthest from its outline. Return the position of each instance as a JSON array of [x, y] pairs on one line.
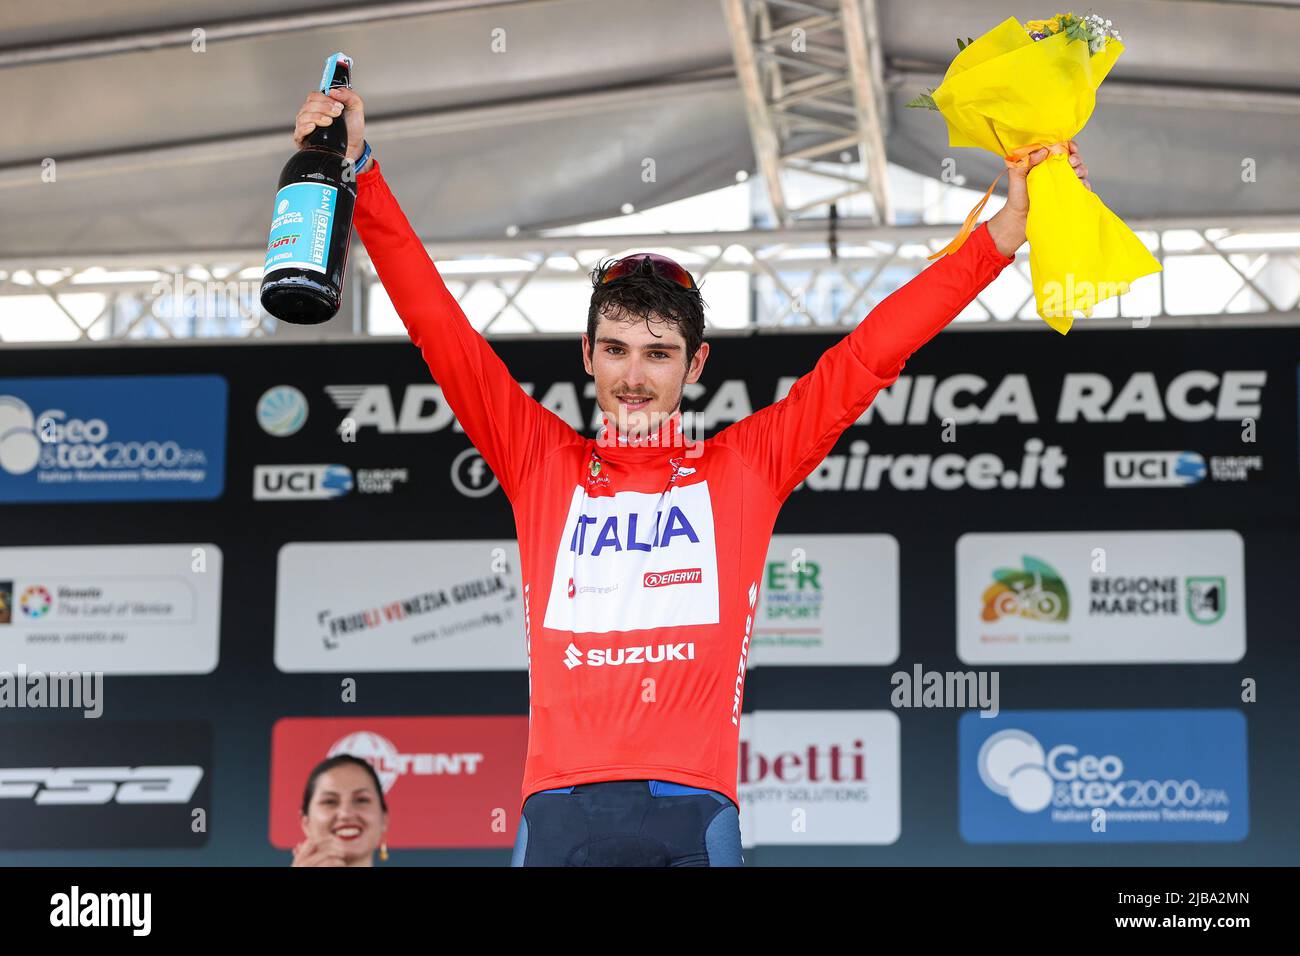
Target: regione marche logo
[[1035, 591]]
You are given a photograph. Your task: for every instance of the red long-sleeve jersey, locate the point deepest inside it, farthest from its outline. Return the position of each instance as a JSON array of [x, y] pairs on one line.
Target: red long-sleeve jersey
[[641, 562]]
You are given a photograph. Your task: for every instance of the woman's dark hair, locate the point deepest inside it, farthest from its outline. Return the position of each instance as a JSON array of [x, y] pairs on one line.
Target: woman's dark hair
[[329, 764], [649, 296]]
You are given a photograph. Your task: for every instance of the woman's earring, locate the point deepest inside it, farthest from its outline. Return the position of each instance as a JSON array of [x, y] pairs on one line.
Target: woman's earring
[[383, 850]]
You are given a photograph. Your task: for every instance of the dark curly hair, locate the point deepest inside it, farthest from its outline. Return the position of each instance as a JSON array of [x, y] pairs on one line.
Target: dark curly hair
[[649, 296], [341, 760]]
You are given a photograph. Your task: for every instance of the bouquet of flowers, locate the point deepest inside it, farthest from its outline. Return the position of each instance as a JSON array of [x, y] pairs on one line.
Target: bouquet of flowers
[[1013, 91]]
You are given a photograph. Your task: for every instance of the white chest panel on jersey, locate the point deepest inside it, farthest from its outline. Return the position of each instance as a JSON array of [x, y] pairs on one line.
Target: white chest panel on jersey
[[634, 561]]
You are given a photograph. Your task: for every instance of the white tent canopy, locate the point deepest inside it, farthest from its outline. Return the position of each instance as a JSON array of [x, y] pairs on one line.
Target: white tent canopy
[[158, 146]]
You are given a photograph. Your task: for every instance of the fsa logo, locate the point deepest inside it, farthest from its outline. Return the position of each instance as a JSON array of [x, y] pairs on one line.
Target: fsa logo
[[617, 656], [64, 786]]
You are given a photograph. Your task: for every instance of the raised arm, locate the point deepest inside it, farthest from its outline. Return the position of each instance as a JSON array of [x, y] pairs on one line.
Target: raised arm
[[786, 440], [510, 429]]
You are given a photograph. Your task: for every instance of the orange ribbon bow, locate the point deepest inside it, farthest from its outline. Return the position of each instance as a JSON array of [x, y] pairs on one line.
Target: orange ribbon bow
[[1017, 158]]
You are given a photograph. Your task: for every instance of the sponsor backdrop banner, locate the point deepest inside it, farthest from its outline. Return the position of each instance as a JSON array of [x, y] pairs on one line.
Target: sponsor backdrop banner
[[271, 552], [1101, 597], [1086, 776], [117, 609], [448, 781], [112, 438], [399, 606], [106, 783]]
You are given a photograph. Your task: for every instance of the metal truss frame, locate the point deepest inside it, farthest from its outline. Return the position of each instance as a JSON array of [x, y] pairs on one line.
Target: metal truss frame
[[796, 283], [811, 73]]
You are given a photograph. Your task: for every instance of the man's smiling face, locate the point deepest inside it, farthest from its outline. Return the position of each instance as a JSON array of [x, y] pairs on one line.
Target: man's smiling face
[[640, 369]]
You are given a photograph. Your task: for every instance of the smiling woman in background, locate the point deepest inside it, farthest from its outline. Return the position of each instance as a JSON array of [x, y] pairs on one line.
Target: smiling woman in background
[[344, 816]]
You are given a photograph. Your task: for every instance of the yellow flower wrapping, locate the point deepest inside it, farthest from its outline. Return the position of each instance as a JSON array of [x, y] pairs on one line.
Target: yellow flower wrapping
[[1012, 95]]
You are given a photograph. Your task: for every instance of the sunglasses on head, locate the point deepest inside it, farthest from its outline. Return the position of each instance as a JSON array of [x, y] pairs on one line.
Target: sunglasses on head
[[660, 265]]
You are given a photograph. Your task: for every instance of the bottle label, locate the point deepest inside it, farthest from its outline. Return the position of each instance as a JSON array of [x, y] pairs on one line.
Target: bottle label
[[327, 76], [301, 227]]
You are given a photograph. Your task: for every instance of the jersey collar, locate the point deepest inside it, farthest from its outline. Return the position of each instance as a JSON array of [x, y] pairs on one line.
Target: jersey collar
[[668, 436]]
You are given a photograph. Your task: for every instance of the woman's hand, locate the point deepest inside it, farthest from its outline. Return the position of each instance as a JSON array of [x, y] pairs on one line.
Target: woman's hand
[[326, 852]]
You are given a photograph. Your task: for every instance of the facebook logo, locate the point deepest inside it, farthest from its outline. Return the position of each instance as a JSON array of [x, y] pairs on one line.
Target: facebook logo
[[471, 475]]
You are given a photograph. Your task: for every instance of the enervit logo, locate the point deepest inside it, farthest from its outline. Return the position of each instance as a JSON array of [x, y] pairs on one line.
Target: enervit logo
[[68, 786], [1153, 469], [20, 449], [617, 656], [1036, 591], [660, 579], [390, 764], [282, 410], [300, 482]]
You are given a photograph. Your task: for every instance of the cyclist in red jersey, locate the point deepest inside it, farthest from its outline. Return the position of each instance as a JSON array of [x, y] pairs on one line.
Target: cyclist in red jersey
[[642, 551]]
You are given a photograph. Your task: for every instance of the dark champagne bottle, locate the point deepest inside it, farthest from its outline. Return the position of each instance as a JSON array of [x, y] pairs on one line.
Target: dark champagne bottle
[[311, 228]]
